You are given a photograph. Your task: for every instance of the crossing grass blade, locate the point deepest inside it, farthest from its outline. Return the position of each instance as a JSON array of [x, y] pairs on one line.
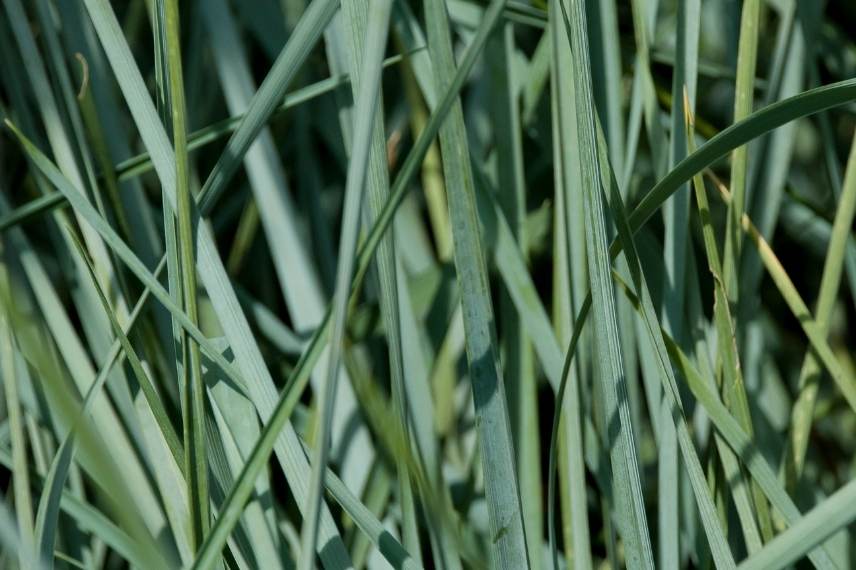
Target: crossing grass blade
[[354, 16], [809, 376], [306, 33], [49, 503], [366, 109], [697, 403], [234, 324], [844, 379], [832, 514], [728, 358]]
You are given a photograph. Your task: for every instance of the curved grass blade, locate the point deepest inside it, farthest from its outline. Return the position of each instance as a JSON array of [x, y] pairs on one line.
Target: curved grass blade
[[757, 124]]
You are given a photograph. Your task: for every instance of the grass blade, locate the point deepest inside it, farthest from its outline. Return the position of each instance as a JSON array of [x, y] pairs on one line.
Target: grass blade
[[193, 406], [366, 108], [508, 540], [21, 477], [823, 521], [628, 492], [809, 376], [302, 40]]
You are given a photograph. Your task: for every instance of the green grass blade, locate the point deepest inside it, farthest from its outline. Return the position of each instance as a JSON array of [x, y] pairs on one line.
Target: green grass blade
[[247, 354], [675, 212], [354, 16], [737, 439], [21, 475], [811, 327], [753, 126], [728, 361], [823, 521], [366, 108], [628, 492], [297, 49], [809, 376], [281, 223], [193, 404], [744, 92], [520, 379], [49, 503], [571, 277], [507, 535]]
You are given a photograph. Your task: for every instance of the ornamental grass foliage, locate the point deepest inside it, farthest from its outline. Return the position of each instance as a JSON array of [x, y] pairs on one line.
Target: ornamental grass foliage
[[454, 284]]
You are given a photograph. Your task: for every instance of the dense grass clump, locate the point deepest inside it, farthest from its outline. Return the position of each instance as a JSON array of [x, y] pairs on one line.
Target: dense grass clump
[[436, 284]]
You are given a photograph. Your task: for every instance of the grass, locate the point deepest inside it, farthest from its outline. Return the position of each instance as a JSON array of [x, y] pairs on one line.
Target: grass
[[194, 375]]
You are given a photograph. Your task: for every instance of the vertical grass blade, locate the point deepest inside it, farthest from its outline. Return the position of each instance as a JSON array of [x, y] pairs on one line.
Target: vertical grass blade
[[625, 469], [193, 404], [507, 535], [747, 55], [21, 475]]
